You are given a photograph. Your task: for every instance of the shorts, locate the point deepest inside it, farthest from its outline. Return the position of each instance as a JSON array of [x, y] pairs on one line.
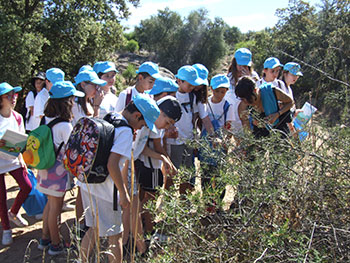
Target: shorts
[[109, 221], [149, 179], [181, 155]]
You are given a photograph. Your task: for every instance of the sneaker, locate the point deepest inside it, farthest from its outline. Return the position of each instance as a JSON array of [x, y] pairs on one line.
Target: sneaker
[[18, 220], [67, 207], [7, 237], [55, 250], [44, 243]]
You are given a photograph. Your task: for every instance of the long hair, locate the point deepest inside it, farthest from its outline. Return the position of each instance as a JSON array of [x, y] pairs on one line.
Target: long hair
[[245, 89], [61, 108], [234, 72], [201, 94], [82, 101]]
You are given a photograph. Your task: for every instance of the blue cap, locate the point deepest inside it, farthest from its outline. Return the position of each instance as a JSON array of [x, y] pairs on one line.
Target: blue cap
[[243, 57], [272, 62], [6, 88], [89, 76], [220, 81], [189, 74], [163, 84], [148, 108], [104, 67], [150, 68], [54, 75], [293, 68], [63, 89], [203, 73], [86, 68]]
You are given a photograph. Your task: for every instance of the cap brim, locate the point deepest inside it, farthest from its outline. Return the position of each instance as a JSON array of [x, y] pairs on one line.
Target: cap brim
[[244, 63], [223, 86], [17, 89], [78, 93], [156, 75], [99, 82], [196, 82], [109, 70], [278, 65], [151, 125], [299, 74]]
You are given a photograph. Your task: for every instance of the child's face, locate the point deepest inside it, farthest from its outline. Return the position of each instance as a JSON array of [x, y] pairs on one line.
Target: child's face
[[89, 89], [243, 70], [184, 86], [9, 99], [271, 73], [219, 93], [109, 77], [289, 78], [39, 83], [146, 83], [163, 121]]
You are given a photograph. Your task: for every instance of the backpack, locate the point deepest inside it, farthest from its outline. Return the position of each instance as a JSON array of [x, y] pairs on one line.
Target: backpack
[[88, 147], [215, 122], [40, 150]]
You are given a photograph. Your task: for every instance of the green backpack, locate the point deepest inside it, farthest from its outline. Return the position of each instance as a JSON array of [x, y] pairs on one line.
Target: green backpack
[[40, 150]]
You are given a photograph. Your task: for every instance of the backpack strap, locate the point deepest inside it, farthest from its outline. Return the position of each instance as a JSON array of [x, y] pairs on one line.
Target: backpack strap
[[128, 96], [50, 125], [17, 117], [226, 107], [191, 100]]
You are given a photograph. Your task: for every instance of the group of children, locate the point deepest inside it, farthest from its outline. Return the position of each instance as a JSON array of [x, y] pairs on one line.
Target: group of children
[[161, 115]]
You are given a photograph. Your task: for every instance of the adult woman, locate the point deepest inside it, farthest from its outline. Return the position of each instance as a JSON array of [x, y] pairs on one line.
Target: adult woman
[[9, 119]]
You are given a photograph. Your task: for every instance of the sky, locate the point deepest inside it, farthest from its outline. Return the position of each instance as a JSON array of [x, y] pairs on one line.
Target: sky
[[249, 15]]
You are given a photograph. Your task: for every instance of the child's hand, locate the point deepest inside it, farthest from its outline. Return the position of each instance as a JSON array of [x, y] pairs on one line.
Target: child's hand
[[171, 132], [272, 117], [297, 111], [124, 201], [98, 96]]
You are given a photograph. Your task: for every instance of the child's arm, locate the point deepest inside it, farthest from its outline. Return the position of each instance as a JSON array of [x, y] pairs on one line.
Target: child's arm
[[287, 103], [115, 173], [208, 125], [243, 115]]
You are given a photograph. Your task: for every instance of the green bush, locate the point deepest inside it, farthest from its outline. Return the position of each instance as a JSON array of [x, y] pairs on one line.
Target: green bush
[[129, 74], [132, 46], [290, 204]]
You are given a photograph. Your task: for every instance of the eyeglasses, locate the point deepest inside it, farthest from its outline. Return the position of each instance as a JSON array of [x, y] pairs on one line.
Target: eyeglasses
[[10, 95]]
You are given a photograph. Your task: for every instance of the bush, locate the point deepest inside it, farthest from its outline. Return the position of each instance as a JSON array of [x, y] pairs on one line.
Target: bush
[[290, 204], [129, 74], [132, 46]]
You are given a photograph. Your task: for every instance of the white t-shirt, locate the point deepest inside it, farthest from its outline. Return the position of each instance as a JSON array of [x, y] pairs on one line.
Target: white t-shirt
[[9, 123], [202, 110], [140, 141], [184, 125], [156, 163], [216, 111], [60, 132], [77, 113], [39, 106], [122, 98], [108, 104], [29, 103], [121, 145]]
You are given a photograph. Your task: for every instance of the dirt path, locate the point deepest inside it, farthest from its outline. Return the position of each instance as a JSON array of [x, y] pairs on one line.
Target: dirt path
[[23, 236]]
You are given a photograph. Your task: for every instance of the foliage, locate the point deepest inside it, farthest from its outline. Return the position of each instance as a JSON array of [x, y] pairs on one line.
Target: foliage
[[37, 35], [290, 204], [132, 46], [178, 42], [129, 74]]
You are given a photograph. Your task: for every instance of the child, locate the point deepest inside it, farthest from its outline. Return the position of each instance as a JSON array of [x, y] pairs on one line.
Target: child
[[291, 73], [55, 181], [154, 155], [88, 82], [147, 73], [52, 76], [201, 93], [241, 66], [180, 153], [9, 119], [251, 95], [221, 115], [272, 69], [38, 82], [107, 71], [139, 112]]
